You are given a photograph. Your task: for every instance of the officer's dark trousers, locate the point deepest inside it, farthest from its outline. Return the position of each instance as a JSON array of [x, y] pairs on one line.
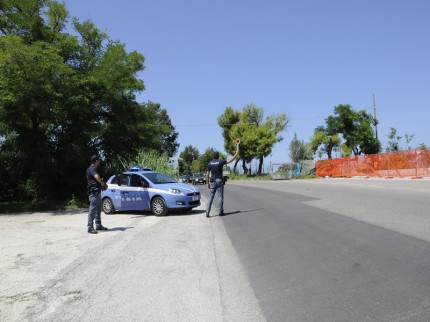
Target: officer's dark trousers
[[218, 185], [94, 211]]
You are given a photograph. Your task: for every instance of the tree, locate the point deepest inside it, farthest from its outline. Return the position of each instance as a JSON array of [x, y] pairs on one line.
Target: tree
[[325, 141], [36, 84], [355, 128], [206, 157], [64, 98], [187, 156], [161, 134], [394, 141], [408, 139], [299, 150], [226, 121], [258, 135]]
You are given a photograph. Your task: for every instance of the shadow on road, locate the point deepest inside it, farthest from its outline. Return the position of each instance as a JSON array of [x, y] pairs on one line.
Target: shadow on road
[[238, 212], [117, 229], [185, 213]]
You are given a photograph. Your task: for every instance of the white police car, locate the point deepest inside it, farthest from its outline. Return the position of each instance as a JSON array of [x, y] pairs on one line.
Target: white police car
[[148, 190]]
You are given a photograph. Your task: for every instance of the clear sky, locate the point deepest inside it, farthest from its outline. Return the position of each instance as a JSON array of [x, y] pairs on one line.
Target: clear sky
[[300, 58]]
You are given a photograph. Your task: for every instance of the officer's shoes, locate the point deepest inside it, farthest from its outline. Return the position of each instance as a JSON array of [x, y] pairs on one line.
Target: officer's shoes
[[92, 231], [101, 228]]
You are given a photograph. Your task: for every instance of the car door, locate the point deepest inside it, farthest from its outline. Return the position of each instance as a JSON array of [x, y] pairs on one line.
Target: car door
[[134, 193]]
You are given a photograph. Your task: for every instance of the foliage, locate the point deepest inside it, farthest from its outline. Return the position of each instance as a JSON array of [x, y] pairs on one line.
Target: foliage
[[299, 150], [226, 121], [258, 135], [304, 176], [187, 156], [234, 176], [408, 139], [43, 205], [65, 97], [150, 158], [206, 157], [324, 141], [393, 143], [163, 133], [355, 127], [75, 203], [284, 168]]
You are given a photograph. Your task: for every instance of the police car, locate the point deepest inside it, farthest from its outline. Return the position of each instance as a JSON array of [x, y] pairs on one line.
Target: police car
[[148, 190]]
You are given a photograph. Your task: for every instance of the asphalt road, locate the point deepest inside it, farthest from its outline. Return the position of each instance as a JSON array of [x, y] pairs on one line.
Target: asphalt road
[[334, 250]]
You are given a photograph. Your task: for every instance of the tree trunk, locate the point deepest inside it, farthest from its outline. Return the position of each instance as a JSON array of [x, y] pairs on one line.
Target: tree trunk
[[260, 165], [245, 169], [235, 166]]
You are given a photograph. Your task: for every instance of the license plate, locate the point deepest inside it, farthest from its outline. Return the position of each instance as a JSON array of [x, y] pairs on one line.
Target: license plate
[[195, 198]]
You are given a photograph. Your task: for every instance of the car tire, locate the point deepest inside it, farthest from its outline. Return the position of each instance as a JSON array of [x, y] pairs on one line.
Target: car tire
[[108, 207], [158, 206]]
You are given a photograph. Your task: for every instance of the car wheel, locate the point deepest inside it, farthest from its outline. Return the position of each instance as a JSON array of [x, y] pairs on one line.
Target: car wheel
[[158, 206], [108, 207]]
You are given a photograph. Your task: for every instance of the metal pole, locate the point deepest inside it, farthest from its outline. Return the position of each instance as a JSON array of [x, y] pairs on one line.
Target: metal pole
[[376, 120]]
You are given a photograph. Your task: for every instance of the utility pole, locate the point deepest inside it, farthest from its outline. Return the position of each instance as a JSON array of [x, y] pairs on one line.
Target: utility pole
[[376, 120]]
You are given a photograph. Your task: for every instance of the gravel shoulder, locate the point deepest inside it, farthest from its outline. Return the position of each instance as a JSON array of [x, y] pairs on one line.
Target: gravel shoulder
[[52, 269]]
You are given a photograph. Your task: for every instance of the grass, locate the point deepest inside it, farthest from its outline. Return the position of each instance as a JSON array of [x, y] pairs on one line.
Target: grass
[[42, 205], [304, 176], [247, 177], [265, 177]]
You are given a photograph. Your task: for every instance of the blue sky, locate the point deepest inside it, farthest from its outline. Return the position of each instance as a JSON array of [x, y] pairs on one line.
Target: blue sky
[[300, 58]]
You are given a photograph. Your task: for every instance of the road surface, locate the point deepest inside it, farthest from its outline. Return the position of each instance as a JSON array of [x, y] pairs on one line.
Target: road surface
[[334, 250]]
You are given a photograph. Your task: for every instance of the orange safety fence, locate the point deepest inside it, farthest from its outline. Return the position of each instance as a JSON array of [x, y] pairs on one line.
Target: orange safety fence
[[402, 164]]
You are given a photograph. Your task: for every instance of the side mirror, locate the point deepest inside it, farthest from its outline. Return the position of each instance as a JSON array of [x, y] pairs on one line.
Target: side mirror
[[145, 184]]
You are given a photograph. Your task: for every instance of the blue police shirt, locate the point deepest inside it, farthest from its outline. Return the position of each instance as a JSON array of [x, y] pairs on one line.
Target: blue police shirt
[[215, 167]]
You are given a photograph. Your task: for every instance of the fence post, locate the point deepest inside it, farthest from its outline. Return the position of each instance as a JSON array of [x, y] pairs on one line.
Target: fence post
[[388, 162], [367, 166], [417, 154]]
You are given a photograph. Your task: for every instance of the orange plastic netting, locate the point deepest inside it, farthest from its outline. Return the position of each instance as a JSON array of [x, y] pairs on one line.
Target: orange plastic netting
[[412, 163]]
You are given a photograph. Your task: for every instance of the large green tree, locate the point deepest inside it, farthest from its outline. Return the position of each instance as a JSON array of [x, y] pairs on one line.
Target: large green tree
[[226, 121], [258, 134], [324, 142], [65, 97], [356, 128]]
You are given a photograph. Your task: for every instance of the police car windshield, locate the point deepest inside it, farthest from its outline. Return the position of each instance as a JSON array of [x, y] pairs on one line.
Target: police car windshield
[[159, 178]]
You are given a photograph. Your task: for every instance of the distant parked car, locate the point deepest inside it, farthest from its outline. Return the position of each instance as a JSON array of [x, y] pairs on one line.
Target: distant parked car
[[186, 178], [148, 190], [199, 178]]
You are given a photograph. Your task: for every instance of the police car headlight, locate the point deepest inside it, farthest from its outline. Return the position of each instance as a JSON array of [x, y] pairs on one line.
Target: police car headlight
[[176, 191]]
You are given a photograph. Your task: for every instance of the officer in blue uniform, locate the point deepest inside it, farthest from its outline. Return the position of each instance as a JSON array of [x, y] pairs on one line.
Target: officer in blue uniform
[[95, 185], [215, 181]]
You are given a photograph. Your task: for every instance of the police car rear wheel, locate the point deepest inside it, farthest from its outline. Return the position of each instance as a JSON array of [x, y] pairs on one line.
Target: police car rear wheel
[[108, 207], [158, 206]]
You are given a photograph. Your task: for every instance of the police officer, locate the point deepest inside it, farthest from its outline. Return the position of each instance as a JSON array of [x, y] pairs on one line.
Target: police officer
[[95, 184], [215, 181]]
